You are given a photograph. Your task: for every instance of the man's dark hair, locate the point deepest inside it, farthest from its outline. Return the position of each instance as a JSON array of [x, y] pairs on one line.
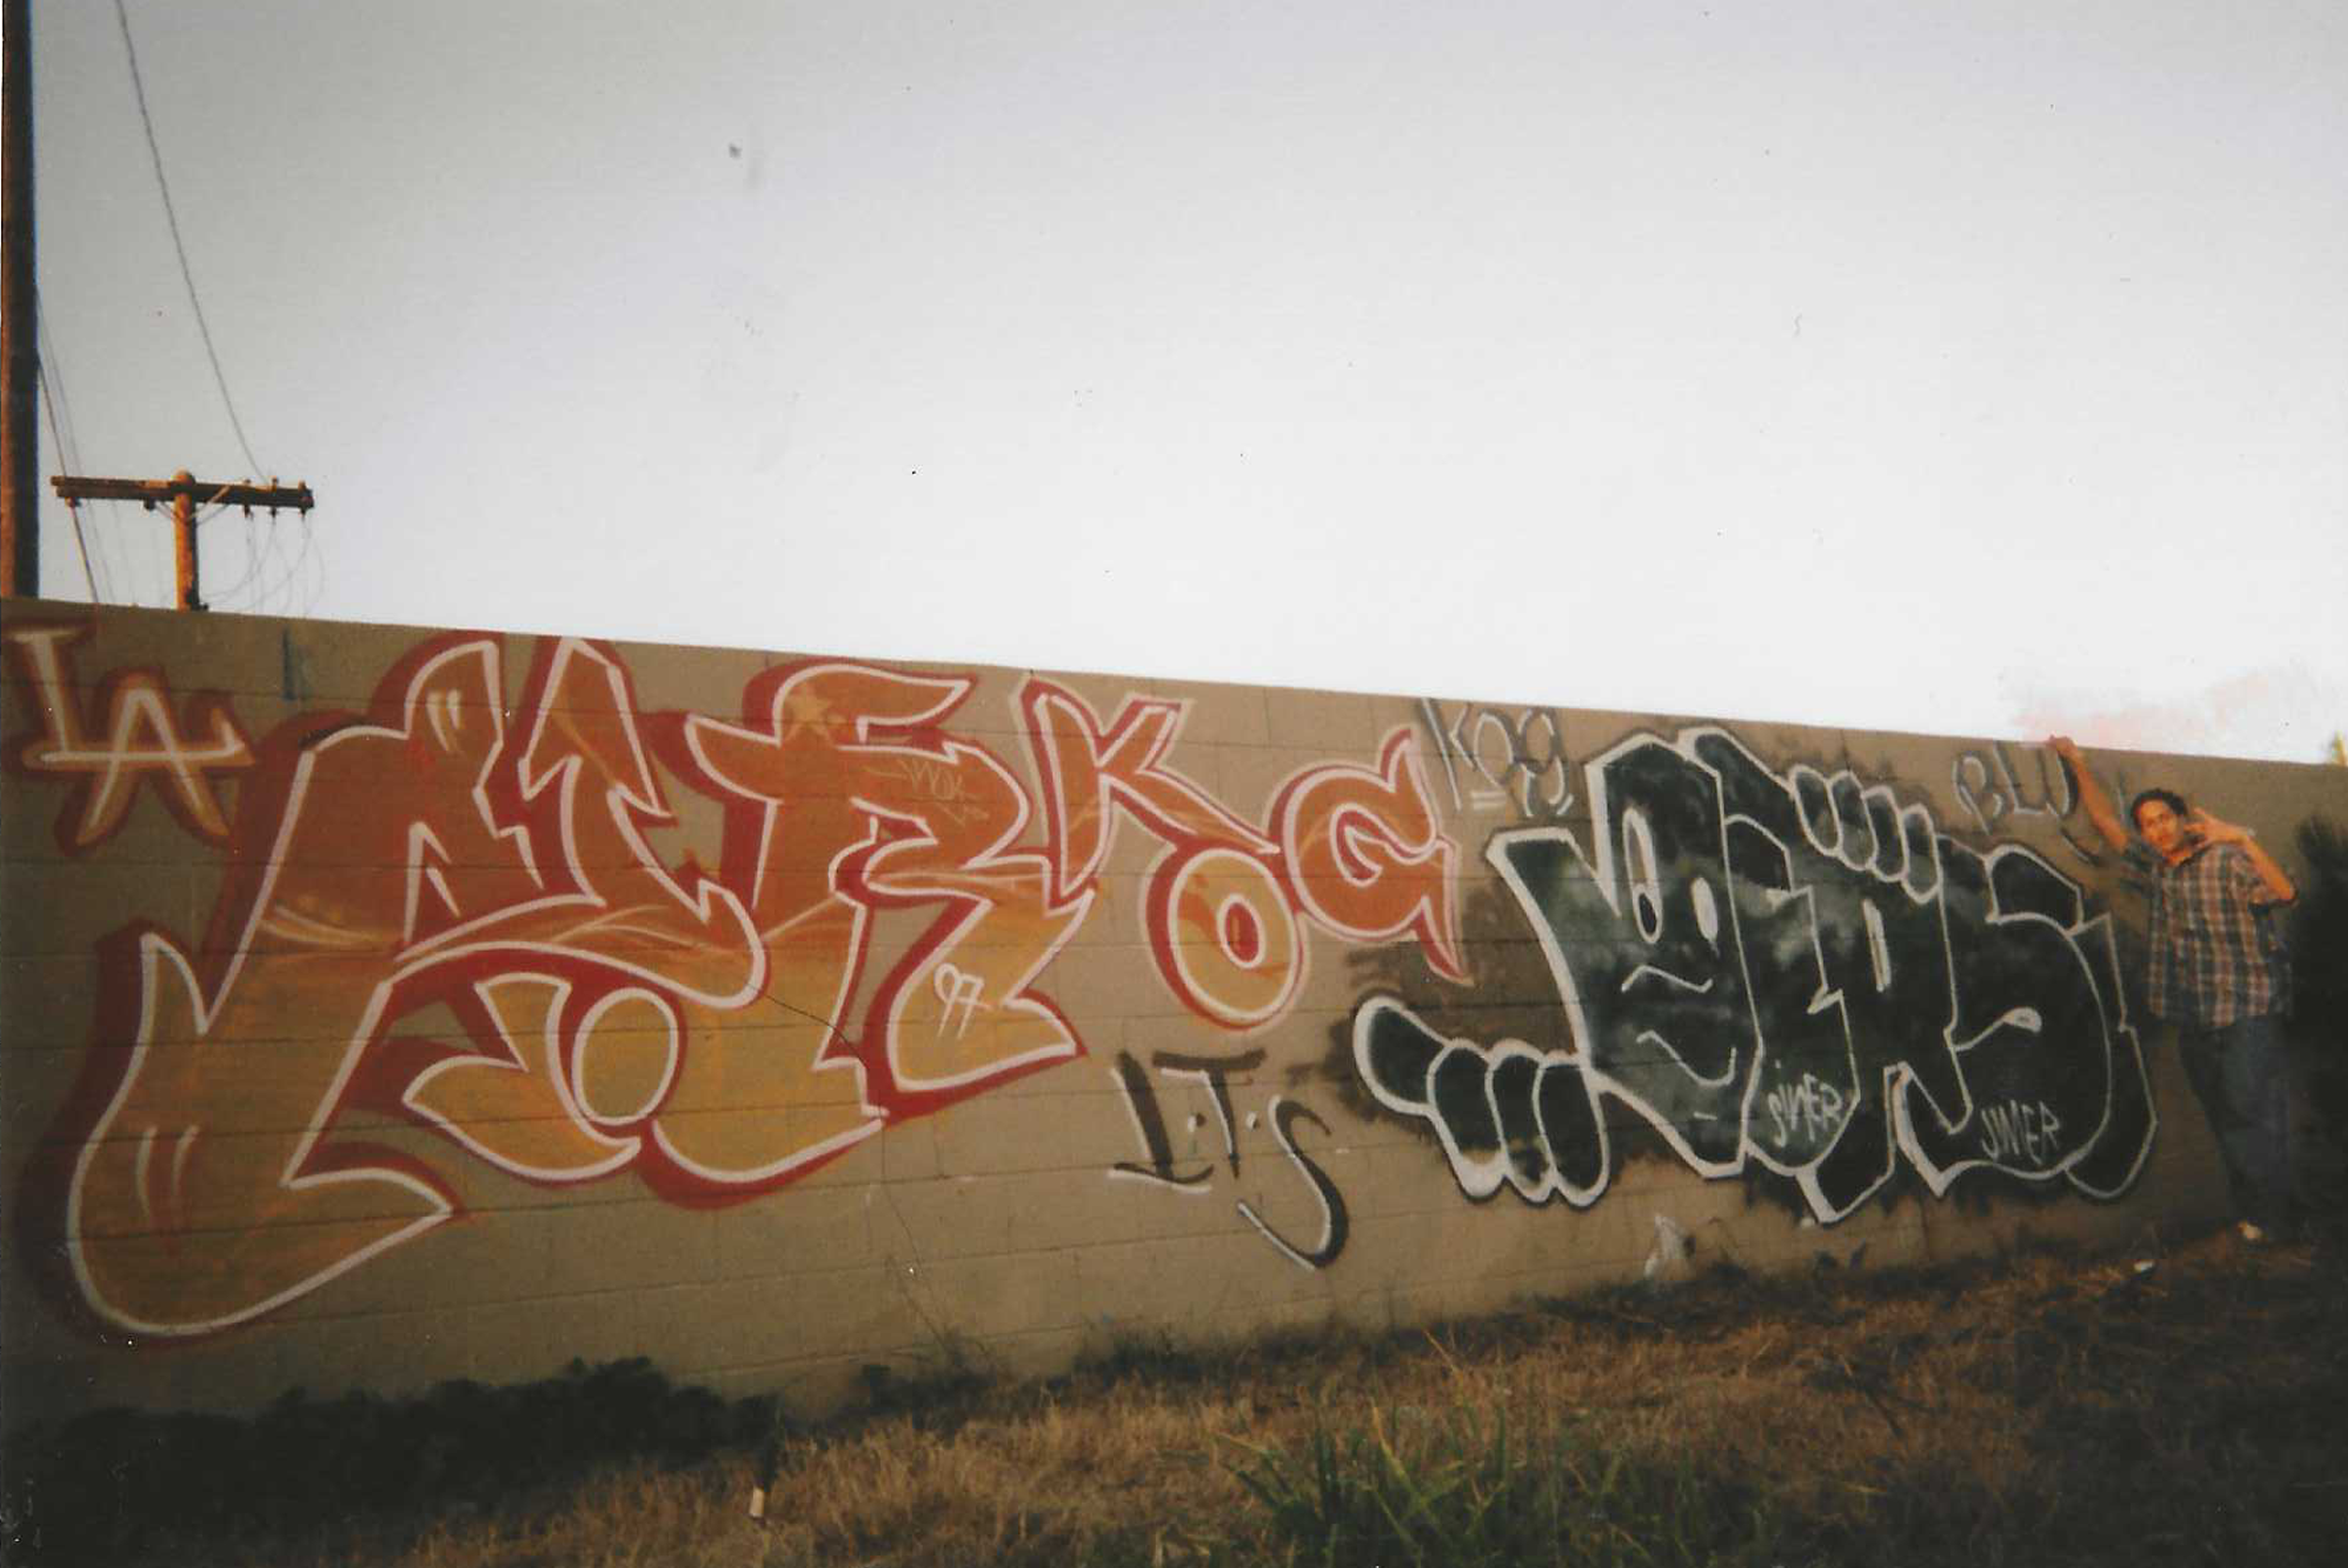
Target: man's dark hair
[[2169, 798]]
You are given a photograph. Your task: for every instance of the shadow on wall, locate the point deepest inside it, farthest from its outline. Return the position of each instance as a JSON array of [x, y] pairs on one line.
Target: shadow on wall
[[1509, 991], [2319, 943]]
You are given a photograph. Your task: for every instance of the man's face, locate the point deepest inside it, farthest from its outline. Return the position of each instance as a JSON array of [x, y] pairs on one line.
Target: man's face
[[2168, 833]]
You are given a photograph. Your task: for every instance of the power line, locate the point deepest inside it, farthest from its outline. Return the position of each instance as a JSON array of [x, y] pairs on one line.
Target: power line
[[171, 216], [292, 589], [261, 563], [61, 435], [68, 442], [101, 563], [266, 569], [73, 509], [182, 491], [274, 574]]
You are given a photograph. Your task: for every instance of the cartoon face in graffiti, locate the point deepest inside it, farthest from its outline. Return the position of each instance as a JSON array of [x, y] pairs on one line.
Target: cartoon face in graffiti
[[1645, 931], [1668, 848]]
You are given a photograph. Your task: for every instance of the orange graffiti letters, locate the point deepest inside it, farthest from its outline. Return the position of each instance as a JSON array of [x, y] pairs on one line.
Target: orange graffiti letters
[[871, 947], [1356, 851], [1364, 857]]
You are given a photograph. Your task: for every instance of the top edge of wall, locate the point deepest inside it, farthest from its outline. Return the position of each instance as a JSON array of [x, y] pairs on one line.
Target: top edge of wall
[[1631, 717]]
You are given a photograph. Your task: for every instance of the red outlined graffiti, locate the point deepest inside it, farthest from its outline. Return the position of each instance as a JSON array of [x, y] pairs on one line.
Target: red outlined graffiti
[[206, 1191], [448, 911], [846, 801], [133, 737], [1363, 854]]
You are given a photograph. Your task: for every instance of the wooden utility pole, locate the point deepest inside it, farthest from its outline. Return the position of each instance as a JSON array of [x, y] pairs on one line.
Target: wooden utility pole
[[20, 343], [183, 492]]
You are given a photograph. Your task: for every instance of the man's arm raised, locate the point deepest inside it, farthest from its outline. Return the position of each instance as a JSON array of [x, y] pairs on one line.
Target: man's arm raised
[[2278, 882], [2090, 794]]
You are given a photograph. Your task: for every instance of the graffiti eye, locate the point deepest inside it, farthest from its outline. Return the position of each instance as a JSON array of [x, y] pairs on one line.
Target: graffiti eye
[[1646, 888], [1707, 912]]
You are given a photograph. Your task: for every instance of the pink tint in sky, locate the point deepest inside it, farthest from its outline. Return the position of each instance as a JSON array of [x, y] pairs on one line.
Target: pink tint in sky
[[1818, 361], [2280, 708]]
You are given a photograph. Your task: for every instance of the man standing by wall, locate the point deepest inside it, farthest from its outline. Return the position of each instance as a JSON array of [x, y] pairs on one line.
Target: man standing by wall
[[2220, 973]]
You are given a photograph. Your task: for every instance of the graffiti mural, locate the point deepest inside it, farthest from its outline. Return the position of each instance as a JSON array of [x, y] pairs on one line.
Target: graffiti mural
[[1066, 993], [1498, 758], [448, 911], [1791, 972]]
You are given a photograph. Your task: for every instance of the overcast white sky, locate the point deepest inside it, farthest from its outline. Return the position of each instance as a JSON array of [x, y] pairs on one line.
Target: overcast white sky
[[1978, 368]]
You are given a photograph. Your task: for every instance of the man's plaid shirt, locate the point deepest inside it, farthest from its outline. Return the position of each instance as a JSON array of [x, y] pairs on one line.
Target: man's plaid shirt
[[2214, 960]]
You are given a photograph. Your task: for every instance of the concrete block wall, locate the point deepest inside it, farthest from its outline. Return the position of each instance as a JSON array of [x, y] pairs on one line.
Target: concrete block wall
[[387, 1005]]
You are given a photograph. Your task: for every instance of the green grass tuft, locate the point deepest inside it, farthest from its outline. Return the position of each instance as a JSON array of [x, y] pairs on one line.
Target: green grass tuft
[[1461, 1490]]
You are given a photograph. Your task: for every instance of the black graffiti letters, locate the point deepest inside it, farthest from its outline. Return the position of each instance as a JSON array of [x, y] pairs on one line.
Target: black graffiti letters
[[1212, 1076], [2040, 1023], [1796, 971], [1285, 1114], [1141, 1098]]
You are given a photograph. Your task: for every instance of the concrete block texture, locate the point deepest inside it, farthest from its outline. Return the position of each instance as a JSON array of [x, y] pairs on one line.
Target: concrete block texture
[[386, 1005]]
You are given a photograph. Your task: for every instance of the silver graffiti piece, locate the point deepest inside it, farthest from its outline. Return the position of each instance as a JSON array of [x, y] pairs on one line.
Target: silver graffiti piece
[[1794, 971], [1506, 761]]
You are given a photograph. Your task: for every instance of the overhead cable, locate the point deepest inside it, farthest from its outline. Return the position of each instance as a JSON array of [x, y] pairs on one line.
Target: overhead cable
[[171, 216], [60, 426]]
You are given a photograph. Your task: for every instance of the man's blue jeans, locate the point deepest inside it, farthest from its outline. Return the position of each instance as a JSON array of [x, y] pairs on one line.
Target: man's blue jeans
[[2240, 1074]]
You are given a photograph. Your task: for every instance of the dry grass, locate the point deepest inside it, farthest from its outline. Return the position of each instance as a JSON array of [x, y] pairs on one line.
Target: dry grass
[[2042, 1408]]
